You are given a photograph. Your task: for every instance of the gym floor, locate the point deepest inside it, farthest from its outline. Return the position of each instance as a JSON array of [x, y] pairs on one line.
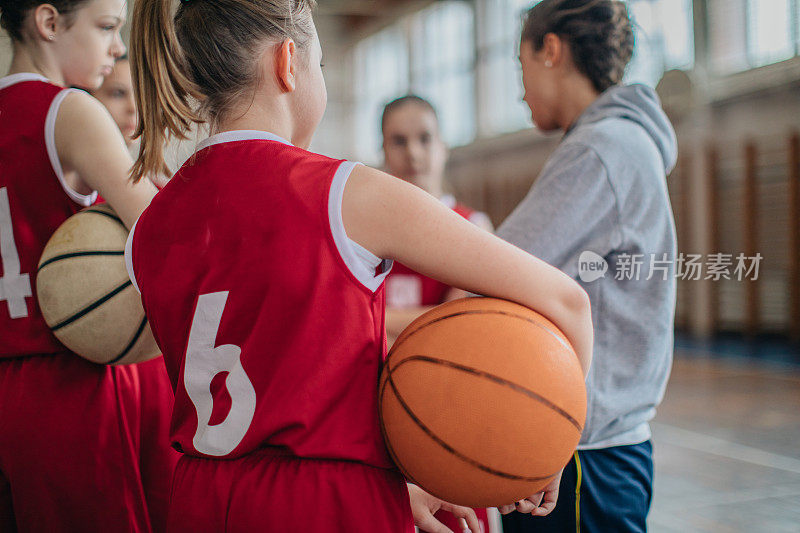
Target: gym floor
[[726, 440]]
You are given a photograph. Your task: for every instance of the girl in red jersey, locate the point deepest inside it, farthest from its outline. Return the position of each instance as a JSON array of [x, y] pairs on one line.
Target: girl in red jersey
[[415, 152], [158, 459], [261, 268], [70, 454]]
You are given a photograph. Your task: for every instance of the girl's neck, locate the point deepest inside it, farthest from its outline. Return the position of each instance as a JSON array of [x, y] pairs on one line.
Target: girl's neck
[[24, 60], [577, 95], [261, 116]]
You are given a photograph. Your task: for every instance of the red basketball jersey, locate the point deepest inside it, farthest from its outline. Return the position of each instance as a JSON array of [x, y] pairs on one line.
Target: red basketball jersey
[[408, 288], [270, 319], [34, 201]]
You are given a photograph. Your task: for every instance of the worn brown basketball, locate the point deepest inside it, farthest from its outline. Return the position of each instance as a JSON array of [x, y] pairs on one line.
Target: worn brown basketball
[[482, 402], [85, 294]]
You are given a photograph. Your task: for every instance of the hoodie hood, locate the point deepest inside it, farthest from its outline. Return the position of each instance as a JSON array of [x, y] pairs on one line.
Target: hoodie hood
[[639, 104]]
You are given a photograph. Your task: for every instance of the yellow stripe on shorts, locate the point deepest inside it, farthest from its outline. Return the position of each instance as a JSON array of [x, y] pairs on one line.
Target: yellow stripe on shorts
[[578, 494]]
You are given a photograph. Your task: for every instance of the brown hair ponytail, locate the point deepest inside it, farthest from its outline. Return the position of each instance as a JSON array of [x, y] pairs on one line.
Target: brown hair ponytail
[[194, 66], [161, 88], [599, 34]]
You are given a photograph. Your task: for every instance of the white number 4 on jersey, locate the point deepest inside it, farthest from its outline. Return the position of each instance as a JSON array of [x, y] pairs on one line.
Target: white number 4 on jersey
[[14, 286]]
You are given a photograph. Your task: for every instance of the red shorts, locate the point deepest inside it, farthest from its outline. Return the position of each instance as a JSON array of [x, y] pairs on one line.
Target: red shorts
[[158, 459], [71, 447], [263, 491]]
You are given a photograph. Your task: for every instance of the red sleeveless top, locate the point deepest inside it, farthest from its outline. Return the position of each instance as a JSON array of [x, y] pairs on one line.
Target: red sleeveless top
[[34, 201], [270, 321]]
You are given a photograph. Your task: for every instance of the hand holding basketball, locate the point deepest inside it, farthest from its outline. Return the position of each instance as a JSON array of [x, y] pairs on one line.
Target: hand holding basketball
[[424, 506], [539, 504]]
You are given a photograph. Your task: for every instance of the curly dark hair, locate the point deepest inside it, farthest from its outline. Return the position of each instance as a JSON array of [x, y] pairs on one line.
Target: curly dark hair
[[599, 34], [13, 12]]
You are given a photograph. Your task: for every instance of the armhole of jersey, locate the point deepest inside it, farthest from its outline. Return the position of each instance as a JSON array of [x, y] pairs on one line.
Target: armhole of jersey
[[129, 258], [50, 141], [362, 263]]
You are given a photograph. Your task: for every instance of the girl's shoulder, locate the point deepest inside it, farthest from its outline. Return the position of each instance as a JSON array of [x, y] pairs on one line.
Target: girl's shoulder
[[80, 110]]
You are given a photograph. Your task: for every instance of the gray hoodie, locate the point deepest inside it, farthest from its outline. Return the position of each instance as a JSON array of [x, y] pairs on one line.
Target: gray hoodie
[[604, 192]]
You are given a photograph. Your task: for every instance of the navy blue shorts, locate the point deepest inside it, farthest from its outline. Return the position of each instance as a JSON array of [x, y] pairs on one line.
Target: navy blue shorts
[[602, 491]]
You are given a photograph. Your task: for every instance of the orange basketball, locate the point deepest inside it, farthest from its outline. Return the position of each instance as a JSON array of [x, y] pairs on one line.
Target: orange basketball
[[482, 402]]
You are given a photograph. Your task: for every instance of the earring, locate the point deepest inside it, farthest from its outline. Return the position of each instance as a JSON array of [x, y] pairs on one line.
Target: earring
[[51, 37], [548, 63]]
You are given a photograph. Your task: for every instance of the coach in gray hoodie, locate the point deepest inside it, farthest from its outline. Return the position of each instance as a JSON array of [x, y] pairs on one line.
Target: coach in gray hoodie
[[600, 212]]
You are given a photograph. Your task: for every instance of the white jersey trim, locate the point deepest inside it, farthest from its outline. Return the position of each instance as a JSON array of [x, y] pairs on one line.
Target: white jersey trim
[[50, 141], [129, 257], [13, 79], [361, 262], [49, 133], [240, 135]]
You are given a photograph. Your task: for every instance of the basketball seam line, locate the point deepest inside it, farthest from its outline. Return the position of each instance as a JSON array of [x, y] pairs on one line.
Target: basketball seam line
[[392, 453], [133, 342], [92, 306], [497, 379], [81, 254], [482, 312], [109, 215], [446, 446], [389, 447]]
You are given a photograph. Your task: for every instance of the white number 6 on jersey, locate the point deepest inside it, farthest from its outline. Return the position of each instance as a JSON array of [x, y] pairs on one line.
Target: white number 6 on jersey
[[203, 362]]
